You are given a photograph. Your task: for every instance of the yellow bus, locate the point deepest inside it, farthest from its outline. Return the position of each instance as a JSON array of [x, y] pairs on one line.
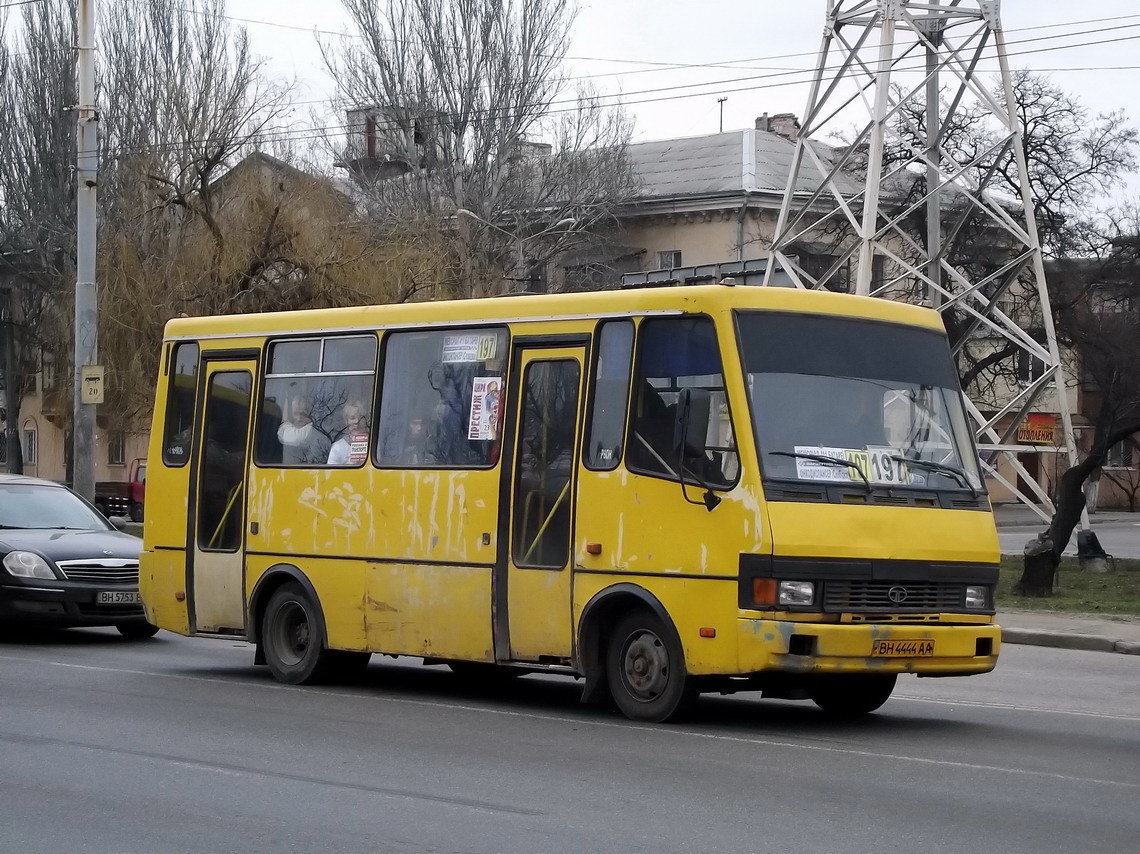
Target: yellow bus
[[660, 491]]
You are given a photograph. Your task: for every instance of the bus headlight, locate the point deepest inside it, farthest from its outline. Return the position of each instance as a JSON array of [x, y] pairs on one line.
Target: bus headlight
[[977, 597], [27, 565], [796, 593]]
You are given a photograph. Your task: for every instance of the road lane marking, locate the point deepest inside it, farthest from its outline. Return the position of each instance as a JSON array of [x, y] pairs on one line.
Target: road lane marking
[[242, 771], [646, 728], [1015, 707]]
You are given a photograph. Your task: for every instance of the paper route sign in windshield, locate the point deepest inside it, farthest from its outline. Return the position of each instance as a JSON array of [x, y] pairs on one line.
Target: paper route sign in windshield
[[877, 464]]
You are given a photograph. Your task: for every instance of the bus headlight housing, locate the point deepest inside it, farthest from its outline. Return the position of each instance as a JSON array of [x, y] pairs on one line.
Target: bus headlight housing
[[977, 597], [796, 593], [27, 565]]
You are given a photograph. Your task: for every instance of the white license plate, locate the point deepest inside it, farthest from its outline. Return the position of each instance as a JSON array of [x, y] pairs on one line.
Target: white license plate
[[118, 597], [899, 648]]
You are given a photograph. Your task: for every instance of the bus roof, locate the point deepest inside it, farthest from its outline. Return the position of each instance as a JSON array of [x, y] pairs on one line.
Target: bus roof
[[710, 299]]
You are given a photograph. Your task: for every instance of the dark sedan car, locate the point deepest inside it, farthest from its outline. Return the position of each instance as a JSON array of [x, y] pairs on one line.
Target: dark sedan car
[[63, 564]]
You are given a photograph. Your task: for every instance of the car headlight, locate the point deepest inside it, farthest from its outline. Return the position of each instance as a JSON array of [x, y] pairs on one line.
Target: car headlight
[[27, 565], [796, 593], [977, 597]]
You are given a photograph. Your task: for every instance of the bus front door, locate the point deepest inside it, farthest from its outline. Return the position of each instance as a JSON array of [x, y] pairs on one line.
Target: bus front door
[[217, 602], [542, 488]]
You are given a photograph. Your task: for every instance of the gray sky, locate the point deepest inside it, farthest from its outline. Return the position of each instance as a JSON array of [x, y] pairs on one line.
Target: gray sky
[[740, 33]]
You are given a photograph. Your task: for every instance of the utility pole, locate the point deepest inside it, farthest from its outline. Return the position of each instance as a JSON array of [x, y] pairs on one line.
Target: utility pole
[[86, 324], [721, 102]]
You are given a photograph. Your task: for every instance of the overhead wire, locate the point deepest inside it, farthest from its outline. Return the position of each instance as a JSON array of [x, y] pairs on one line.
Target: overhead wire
[[321, 131]]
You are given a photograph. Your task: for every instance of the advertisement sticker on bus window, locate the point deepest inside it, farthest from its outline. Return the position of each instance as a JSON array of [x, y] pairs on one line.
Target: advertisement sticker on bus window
[[357, 449], [469, 348], [486, 397]]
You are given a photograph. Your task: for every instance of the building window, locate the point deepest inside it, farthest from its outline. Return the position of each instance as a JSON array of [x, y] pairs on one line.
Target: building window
[[117, 448], [31, 446], [669, 259], [1122, 455], [1029, 368]]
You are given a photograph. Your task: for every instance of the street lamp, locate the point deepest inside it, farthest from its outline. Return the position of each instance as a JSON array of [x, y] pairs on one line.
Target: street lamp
[[520, 258]]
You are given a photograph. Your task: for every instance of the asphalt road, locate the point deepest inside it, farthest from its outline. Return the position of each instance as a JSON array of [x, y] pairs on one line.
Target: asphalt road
[[1118, 536], [176, 745]]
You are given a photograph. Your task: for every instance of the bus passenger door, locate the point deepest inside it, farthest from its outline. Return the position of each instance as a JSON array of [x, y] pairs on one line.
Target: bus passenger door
[[542, 488], [216, 583]]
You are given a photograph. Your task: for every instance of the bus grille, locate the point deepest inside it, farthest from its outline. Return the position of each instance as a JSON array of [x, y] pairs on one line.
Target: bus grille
[[104, 571], [893, 596]]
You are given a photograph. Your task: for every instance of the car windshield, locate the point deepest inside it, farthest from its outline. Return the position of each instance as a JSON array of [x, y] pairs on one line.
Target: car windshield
[[32, 505], [829, 392]]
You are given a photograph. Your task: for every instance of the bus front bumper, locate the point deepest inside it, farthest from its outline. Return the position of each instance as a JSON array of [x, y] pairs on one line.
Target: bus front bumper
[[927, 650]]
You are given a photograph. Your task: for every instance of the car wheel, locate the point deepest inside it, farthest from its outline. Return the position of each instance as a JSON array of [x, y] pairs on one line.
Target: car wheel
[[851, 696], [645, 669], [136, 512], [293, 640], [137, 629]]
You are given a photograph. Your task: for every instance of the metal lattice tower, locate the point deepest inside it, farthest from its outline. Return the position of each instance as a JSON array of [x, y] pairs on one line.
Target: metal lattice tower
[[932, 49]]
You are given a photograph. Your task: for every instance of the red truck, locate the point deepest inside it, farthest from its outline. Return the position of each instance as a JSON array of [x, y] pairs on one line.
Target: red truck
[[123, 498]]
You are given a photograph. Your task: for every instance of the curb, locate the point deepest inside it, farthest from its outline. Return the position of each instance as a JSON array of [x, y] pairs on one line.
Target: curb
[[1064, 640]]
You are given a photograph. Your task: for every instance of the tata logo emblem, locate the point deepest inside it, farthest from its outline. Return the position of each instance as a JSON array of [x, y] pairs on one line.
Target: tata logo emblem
[[897, 594]]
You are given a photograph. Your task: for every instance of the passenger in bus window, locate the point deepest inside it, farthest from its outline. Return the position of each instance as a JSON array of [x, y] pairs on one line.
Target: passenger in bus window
[[297, 435], [415, 446], [351, 448]]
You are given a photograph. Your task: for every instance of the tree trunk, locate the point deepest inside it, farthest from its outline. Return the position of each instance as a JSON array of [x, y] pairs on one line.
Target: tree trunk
[[1043, 555]]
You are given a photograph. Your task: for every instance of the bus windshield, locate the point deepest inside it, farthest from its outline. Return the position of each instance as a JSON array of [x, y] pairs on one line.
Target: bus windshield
[[857, 402]]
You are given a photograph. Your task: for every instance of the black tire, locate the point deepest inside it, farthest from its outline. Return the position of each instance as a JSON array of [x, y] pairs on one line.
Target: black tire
[[851, 696], [137, 630], [293, 640], [136, 512], [645, 668]]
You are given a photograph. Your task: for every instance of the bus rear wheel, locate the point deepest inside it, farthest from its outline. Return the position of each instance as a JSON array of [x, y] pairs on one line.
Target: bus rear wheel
[[851, 696], [645, 669], [293, 640]]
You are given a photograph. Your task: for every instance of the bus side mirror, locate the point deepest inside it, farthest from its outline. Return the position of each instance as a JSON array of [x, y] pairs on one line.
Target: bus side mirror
[[691, 421]]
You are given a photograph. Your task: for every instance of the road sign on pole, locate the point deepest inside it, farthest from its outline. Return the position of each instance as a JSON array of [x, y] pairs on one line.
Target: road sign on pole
[[91, 382]]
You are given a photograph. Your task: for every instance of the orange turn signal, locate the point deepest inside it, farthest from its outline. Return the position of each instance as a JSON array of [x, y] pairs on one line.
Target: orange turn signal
[[764, 591], [179, 596], [708, 633], [593, 548]]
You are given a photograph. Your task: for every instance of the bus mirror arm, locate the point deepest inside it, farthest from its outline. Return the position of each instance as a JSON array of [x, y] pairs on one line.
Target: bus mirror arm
[[692, 405]]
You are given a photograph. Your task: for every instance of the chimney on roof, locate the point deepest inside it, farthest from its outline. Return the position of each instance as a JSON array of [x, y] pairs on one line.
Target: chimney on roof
[[786, 125]]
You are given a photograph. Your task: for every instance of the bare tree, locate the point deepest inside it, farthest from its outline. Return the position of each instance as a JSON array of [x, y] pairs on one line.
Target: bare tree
[[1096, 302], [461, 100], [37, 184]]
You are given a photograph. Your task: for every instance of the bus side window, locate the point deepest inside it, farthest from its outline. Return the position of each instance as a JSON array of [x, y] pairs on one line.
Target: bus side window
[[675, 354], [317, 396], [603, 447], [441, 399], [178, 431]]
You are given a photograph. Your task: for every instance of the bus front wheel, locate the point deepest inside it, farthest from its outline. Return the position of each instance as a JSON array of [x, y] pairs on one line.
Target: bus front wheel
[[293, 640], [645, 669], [851, 696]]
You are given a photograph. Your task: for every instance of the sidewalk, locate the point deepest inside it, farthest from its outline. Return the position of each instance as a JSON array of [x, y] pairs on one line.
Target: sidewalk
[[1117, 633]]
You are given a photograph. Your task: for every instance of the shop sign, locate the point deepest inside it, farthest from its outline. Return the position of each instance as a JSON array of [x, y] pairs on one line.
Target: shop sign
[[1037, 429]]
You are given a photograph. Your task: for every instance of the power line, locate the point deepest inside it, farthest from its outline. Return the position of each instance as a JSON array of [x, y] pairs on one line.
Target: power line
[[19, 3], [675, 66], [537, 111]]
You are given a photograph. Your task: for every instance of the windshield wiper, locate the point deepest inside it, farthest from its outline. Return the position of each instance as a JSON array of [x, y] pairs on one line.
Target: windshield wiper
[[956, 473], [830, 461]]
